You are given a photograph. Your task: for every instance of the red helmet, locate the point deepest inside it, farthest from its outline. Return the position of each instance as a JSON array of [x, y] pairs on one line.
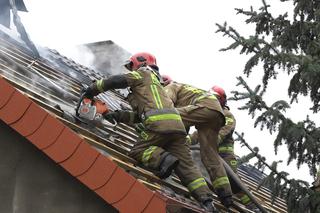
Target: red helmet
[[141, 59], [221, 94], [166, 79]]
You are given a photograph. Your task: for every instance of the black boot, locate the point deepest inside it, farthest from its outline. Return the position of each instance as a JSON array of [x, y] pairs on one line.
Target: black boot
[[209, 206], [227, 201], [251, 206], [167, 164], [224, 197]]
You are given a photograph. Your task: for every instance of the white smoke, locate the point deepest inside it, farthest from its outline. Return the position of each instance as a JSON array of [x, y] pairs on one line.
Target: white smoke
[[106, 57], [80, 54]]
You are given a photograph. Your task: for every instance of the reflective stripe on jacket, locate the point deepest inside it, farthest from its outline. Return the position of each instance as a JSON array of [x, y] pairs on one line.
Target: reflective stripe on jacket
[[225, 133], [184, 95], [152, 104]]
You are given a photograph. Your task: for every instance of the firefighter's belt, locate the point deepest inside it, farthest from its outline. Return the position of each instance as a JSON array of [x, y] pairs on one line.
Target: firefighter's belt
[[160, 115]]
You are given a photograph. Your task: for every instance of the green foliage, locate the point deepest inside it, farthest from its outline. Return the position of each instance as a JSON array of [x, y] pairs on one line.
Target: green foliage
[[290, 45], [299, 197], [255, 98], [248, 157], [281, 43], [302, 138]]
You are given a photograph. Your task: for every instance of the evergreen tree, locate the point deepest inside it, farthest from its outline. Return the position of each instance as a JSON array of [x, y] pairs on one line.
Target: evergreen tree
[[290, 44]]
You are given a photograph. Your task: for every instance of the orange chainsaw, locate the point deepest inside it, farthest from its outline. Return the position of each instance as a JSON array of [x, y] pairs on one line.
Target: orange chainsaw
[[92, 111]]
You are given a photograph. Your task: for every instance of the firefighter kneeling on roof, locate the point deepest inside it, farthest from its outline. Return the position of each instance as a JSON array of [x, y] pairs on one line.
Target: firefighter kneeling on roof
[[163, 149]]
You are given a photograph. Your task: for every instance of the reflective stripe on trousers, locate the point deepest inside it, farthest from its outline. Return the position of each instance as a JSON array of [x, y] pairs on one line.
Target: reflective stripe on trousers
[[245, 199], [197, 183], [219, 182], [226, 149], [147, 154]]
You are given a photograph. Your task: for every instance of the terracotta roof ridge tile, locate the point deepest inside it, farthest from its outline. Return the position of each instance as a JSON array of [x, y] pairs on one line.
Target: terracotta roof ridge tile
[[117, 187], [81, 160], [7, 91], [15, 108], [49, 131], [70, 142], [32, 119], [99, 173]]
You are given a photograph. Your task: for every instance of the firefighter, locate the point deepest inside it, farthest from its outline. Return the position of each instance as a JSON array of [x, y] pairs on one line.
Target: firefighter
[[226, 145], [163, 148], [166, 79], [200, 109]]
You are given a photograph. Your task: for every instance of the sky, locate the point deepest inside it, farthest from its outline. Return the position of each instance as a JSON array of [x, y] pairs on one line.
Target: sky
[[181, 34]]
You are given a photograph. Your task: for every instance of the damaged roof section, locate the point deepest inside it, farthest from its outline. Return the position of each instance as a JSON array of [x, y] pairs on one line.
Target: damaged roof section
[[38, 98]]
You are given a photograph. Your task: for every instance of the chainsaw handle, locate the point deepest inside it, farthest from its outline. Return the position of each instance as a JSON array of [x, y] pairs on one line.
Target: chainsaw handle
[[79, 103], [109, 124]]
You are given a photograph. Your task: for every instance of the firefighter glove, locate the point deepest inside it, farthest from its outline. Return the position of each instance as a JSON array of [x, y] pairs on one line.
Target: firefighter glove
[[87, 93], [113, 117]]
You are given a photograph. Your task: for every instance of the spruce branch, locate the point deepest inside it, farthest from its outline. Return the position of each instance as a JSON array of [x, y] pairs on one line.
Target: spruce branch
[[302, 138], [297, 193], [247, 158], [292, 45]]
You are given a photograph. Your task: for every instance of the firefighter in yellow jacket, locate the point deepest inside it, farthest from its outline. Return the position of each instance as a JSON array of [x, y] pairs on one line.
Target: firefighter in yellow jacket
[[200, 109], [163, 148], [226, 145]]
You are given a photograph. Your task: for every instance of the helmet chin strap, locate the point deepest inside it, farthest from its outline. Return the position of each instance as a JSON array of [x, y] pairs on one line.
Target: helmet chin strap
[[156, 72]]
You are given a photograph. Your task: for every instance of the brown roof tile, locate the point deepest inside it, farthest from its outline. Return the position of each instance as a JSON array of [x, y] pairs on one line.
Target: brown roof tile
[[64, 146], [117, 187], [31, 120], [6, 91], [47, 133], [14, 108], [156, 205], [133, 201], [81, 160], [99, 173]]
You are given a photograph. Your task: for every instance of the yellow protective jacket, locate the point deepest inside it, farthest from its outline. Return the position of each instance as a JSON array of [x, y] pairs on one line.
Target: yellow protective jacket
[[148, 99], [183, 95], [226, 141]]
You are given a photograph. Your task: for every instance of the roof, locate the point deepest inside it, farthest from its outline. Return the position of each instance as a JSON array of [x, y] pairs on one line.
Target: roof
[[31, 182], [68, 149], [37, 99]]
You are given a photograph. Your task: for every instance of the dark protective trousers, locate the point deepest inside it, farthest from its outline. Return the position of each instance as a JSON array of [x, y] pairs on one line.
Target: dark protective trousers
[[231, 160], [208, 123], [149, 149]]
